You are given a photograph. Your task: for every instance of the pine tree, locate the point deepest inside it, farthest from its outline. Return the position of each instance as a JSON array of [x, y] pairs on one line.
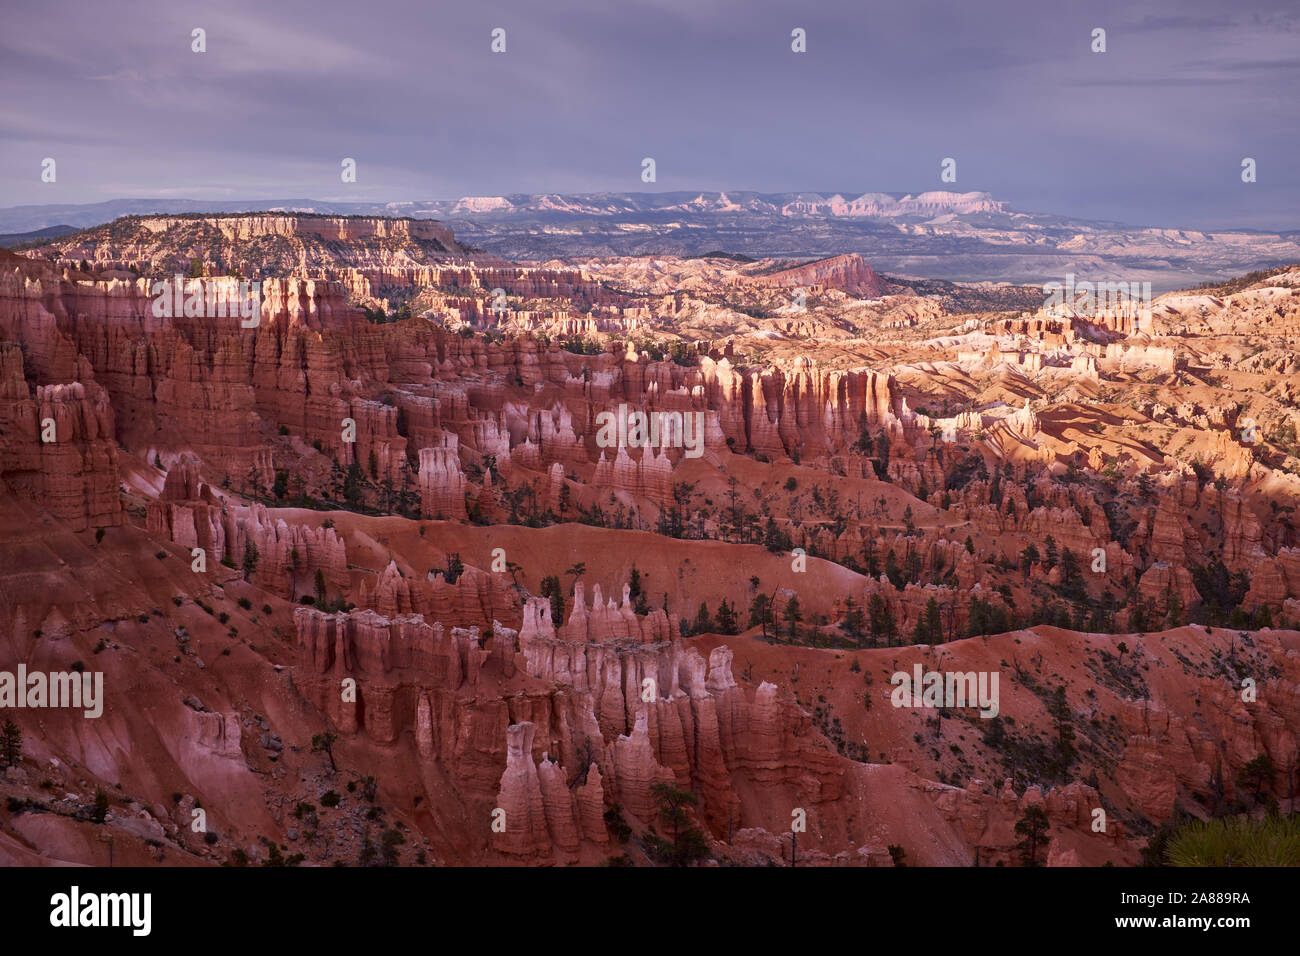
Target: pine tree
[[881, 620], [1033, 827], [793, 615], [869, 555], [688, 845], [892, 571], [99, 813], [551, 589], [977, 618], [11, 739], [1174, 606], [773, 538], [853, 621], [725, 620], [324, 744], [933, 622], [1059, 710], [353, 484], [250, 558], [1050, 554], [1257, 774], [1028, 558], [1069, 568], [920, 632]]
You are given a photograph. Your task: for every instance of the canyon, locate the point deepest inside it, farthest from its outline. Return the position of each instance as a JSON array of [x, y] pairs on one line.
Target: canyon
[[364, 584]]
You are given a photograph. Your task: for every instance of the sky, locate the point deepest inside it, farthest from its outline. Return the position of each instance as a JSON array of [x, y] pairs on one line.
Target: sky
[[1151, 132]]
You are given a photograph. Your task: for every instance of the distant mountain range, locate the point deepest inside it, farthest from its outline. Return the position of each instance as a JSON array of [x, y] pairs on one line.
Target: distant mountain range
[[940, 235]]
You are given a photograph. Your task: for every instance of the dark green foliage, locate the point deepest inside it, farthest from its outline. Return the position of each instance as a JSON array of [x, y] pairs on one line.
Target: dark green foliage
[[1032, 826], [99, 811], [11, 742], [688, 843], [551, 589]]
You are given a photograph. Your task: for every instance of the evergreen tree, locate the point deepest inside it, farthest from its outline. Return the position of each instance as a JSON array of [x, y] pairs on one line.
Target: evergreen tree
[[11, 740], [892, 571], [353, 485], [760, 615], [551, 589], [250, 558], [636, 592], [869, 554], [725, 619], [1257, 774], [324, 744], [688, 843], [853, 621], [793, 615], [933, 623], [1069, 567], [919, 632], [774, 539], [881, 620], [1033, 827], [881, 461], [99, 813], [1059, 710], [1174, 609], [1028, 558]]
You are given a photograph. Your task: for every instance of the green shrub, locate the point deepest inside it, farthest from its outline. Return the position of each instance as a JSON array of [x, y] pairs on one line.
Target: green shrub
[[1237, 841]]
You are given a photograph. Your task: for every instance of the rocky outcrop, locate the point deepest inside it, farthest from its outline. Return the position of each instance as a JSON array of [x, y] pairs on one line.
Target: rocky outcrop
[[1163, 583], [57, 449], [621, 700], [847, 273]]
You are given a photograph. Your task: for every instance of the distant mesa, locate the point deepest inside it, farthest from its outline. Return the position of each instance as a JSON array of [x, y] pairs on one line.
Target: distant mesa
[[883, 205], [847, 273], [13, 239]]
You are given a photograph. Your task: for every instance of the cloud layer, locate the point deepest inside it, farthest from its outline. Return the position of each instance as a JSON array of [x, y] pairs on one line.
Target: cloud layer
[[1153, 131]]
